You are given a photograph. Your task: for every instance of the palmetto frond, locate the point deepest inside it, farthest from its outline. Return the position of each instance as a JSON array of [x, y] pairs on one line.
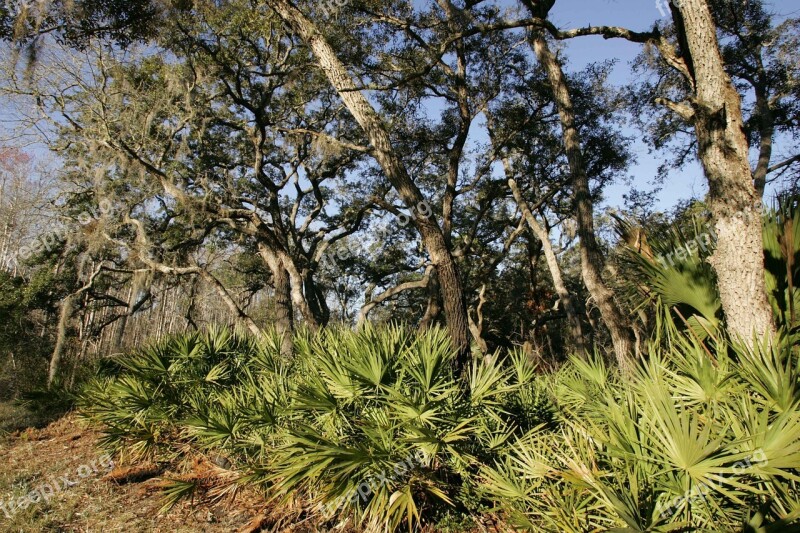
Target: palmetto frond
[[374, 426]]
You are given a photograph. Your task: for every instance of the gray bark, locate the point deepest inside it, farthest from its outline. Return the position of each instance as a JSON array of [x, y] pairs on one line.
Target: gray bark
[[735, 204], [592, 261]]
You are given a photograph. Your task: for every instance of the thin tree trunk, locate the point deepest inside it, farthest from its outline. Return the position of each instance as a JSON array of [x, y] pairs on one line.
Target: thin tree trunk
[[368, 306], [735, 205], [434, 307], [65, 315], [119, 331], [476, 326], [373, 126], [592, 261], [223, 293], [766, 132], [576, 332]]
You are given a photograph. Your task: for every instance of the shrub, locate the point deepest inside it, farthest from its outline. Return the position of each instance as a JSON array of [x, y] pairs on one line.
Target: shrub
[[370, 425], [695, 441], [373, 427]]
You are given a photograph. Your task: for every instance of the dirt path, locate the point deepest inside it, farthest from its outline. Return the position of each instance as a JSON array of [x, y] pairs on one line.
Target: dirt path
[[66, 470]]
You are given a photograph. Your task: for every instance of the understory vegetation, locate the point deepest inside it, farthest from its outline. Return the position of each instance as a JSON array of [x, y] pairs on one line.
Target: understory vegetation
[[373, 429]]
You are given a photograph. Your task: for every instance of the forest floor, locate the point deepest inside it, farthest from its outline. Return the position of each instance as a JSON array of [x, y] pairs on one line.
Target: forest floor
[[78, 490], [55, 478]]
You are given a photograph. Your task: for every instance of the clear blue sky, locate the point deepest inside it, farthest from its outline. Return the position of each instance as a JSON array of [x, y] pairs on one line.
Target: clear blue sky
[[635, 15]]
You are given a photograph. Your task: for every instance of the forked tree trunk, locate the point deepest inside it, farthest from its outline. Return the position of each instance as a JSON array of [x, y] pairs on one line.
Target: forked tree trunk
[[735, 205], [300, 300], [592, 261], [375, 129], [476, 325]]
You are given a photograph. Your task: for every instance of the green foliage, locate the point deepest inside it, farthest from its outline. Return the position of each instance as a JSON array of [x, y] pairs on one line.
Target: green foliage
[[694, 441], [23, 353], [371, 424], [674, 276], [781, 234]]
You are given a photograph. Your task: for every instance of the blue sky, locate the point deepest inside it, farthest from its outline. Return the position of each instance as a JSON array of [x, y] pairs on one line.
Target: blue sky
[[635, 15]]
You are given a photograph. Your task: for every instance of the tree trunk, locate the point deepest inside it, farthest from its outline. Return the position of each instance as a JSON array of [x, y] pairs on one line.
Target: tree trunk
[[476, 326], [371, 303], [284, 313], [576, 332], [239, 314], [299, 298], [592, 261], [375, 129], [122, 323], [434, 307], [316, 299], [65, 315], [766, 131], [735, 205]]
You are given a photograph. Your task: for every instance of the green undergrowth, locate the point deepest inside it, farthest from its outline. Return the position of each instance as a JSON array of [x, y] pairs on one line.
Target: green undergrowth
[[374, 430]]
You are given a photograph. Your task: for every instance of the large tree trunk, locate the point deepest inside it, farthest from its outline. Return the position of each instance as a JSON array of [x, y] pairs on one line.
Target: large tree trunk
[[373, 126], [284, 314], [592, 261], [735, 205]]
